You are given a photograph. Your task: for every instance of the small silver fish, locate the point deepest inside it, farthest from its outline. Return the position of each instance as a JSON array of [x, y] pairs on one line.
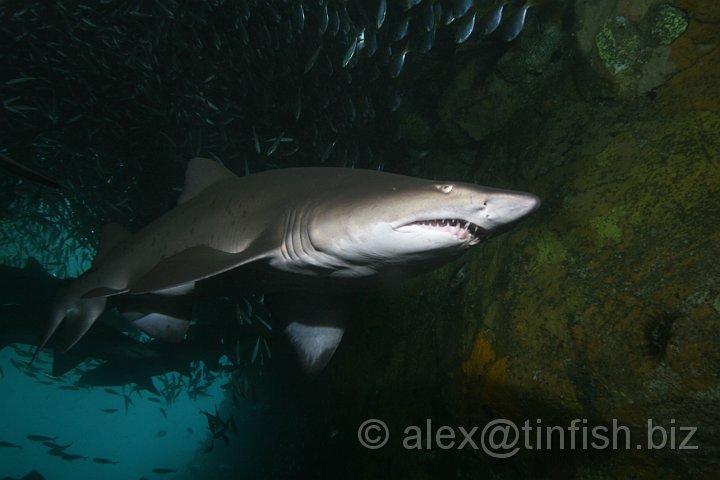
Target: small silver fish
[[382, 11], [465, 27], [401, 29], [349, 53], [41, 438], [515, 25], [461, 7], [161, 471], [491, 23], [396, 63]]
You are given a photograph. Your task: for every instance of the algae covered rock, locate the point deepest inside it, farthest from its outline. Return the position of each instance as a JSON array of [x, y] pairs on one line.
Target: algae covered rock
[[666, 23], [479, 101], [603, 308], [619, 44], [611, 312], [624, 45]]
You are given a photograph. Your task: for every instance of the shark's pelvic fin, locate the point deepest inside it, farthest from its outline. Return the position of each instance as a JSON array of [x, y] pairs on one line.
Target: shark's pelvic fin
[[191, 265], [202, 173]]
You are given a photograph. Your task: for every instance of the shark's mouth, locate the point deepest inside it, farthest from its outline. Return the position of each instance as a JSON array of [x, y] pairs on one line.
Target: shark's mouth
[[458, 228]]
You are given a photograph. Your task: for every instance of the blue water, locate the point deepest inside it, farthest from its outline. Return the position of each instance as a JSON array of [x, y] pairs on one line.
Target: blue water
[[31, 408]]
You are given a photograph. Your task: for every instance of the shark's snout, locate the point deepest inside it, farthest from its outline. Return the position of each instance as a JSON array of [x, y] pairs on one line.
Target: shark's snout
[[508, 208], [527, 204]]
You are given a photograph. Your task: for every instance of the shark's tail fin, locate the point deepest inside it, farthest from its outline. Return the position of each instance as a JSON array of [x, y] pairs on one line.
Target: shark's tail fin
[[78, 315]]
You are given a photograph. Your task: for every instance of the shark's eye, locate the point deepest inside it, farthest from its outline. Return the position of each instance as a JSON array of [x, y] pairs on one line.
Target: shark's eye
[[447, 188]]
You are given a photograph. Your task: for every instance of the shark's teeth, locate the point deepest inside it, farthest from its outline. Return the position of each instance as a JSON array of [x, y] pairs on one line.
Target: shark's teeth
[[454, 226]]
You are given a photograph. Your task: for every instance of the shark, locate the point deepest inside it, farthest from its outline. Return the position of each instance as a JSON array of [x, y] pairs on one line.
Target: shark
[[304, 236], [20, 170]]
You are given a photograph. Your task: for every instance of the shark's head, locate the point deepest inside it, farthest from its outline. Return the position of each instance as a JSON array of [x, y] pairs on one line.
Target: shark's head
[[404, 220]]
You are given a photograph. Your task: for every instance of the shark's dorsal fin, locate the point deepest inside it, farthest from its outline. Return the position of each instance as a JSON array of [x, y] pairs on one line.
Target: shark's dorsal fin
[[191, 265], [111, 235], [202, 173]]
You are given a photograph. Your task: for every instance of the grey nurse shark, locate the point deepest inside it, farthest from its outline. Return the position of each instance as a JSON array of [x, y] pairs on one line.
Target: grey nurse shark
[[302, 233]]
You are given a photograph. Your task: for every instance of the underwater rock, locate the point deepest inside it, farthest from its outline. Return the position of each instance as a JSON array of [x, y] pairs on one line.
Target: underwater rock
[[619, 44], [603, 307], [475, 104], [610, 313], [625, 46], [667, 23]]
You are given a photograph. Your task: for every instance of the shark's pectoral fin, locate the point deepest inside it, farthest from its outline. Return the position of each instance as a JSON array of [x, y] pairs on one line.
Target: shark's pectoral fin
[[163, 327], [195, 263], [315, 325]]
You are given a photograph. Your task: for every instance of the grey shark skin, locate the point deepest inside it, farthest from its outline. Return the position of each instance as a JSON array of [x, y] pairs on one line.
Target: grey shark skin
[[302, 228]]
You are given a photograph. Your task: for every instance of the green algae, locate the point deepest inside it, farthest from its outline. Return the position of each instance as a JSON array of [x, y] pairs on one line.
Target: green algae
[[550, 250], [607, 227], [619, 44], [667, 24]]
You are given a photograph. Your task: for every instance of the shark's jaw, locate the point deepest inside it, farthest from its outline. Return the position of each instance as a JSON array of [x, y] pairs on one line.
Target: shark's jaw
[[463, 231]]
